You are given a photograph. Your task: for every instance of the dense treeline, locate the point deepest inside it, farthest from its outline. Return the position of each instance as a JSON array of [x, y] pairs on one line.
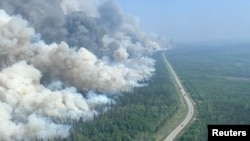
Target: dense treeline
[[218, 79], [136, 115]]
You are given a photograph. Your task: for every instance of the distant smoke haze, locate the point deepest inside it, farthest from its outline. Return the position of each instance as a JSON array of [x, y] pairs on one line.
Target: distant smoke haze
[[50, 51]]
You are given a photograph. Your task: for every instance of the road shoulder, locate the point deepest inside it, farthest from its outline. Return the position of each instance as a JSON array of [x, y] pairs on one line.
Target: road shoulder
[[188, 101]]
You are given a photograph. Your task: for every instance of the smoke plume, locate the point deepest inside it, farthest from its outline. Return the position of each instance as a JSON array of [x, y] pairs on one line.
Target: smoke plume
[[62, 60]]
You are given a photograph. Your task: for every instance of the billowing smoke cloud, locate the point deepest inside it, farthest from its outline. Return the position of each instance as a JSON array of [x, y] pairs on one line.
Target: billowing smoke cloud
[[56, 56], [81, 23]]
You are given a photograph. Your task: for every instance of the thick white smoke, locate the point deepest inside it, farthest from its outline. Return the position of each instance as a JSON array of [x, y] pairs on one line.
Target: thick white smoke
[[29, 110], [79, 68], [41, 81]]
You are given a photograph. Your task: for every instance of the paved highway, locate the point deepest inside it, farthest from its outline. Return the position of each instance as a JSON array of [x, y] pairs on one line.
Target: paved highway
[[189, 103]]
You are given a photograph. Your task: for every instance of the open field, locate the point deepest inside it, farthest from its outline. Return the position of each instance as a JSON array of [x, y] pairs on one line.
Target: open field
[[217, 78]]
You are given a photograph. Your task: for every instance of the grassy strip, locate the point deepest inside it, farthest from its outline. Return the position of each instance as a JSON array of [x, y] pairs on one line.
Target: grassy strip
[[176, 119]]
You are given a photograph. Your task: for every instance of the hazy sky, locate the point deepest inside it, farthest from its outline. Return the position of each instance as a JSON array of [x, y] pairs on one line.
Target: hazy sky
[[193, 20]]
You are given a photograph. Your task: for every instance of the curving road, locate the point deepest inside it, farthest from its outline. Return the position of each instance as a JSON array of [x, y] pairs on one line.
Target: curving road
[[189, 103]]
